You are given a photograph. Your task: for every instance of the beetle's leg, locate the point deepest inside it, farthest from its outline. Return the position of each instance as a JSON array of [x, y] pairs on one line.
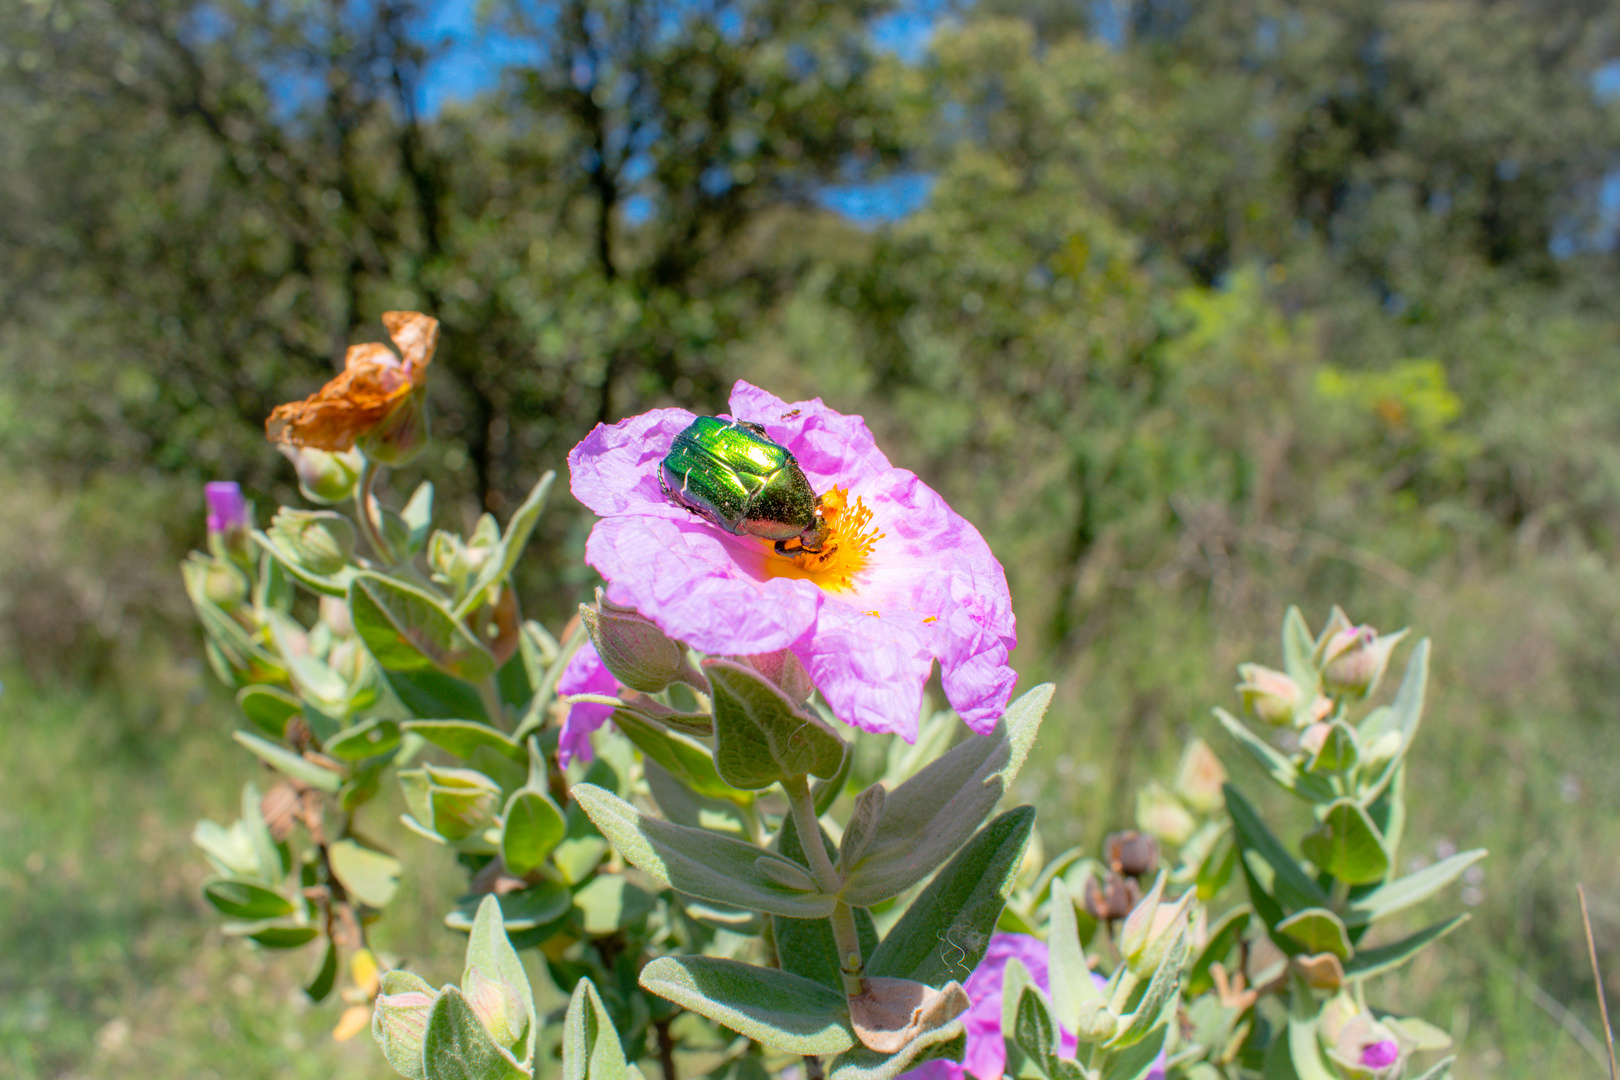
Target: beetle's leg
[[783, 549]]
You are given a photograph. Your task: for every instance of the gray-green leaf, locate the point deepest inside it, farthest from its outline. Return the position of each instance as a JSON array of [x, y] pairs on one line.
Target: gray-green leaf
[[932, 814]]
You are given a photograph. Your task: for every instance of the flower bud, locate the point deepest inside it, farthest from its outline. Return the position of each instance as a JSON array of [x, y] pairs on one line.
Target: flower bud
[[499, 1004], [1354, 660], [1161, 813], [230, 521], [224, 584], [1151, 929], [632, 647], [1313, 738], [320, 540], [399, 1021], [1199, 778], [1272, 696], [400, 435], [1362, 1047], [335, 614], [1097, 1023], [324, 476]]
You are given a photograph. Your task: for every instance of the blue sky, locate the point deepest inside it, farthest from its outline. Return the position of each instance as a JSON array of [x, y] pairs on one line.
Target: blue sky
[[474, 58]]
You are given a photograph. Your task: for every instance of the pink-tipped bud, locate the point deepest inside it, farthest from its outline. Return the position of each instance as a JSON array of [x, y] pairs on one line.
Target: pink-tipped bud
[[230, 521], [1354, 660], [500, 1006], [399, 1021], [1272, 696], [324, 476]]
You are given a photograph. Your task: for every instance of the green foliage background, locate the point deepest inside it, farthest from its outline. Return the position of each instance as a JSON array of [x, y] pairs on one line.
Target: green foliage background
[[1212, 308]]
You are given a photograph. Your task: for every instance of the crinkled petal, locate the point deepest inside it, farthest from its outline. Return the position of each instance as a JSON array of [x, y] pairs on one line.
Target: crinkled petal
[[614, 469], [975, 674], [870, 669], [585, 674], [693, 581], [831, 448]]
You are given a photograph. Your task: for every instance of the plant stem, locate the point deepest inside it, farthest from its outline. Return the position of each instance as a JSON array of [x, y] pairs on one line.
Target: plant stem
[[362, 498], [666, 1050], [490, 694], [850, 963]]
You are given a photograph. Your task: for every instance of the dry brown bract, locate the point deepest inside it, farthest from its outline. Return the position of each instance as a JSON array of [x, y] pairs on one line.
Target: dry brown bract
[[374, 382]]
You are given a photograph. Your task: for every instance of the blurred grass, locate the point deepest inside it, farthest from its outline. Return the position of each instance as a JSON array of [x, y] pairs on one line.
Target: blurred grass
[[111, 965]]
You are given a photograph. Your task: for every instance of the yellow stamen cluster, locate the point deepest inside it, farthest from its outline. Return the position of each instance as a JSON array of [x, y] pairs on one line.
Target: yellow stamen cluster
[[851, 538]]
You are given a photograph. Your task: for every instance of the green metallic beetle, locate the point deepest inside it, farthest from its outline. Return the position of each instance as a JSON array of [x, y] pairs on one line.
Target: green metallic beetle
[[739, 478]]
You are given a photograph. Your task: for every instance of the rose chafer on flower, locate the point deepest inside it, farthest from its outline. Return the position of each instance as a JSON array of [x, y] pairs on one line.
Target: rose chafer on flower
[[886, 582]]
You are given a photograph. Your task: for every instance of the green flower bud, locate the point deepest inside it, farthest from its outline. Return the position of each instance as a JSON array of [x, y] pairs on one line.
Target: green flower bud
[[1199, 778], [1151, 929], [225, 584], [499, 1004], [1097, 1023], [399, 1021], [1272, 696], [1161, 813], [401, 435], [324, 476], [322, 541], [638, 654]]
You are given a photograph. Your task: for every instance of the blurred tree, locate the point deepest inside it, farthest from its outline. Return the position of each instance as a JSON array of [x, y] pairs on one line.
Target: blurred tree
[[209, 201]]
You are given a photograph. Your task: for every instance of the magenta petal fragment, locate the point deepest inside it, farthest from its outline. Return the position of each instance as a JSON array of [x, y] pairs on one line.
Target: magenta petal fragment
[[1381, 1054], [585, 674]]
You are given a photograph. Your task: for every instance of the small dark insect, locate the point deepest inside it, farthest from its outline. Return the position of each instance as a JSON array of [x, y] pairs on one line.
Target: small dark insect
[[789, 415]]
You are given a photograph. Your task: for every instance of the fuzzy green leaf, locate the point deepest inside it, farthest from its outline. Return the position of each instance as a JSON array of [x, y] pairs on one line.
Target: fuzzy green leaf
[[363, 740], [490, 954], [408, 629], [534, 826], [1347, 845], [369, 876], [456, 1046], [760, 736], [776, 1008], [590, 1044], [1317, 930], [932, 814], [944, 933], [695, 861], [285, 761], [269, 708], [1414, 888], [521, 910], [1278, 766], [249, 900], [1369, 962], [462, 738], [1293, 888]]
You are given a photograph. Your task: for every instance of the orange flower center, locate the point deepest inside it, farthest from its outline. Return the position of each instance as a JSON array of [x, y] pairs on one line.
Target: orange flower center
[[851, 538]]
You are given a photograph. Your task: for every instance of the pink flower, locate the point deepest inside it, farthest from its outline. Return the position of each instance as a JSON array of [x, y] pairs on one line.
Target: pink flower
[[585, 674], [227, 510], [911, 582], [986, 1056]]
